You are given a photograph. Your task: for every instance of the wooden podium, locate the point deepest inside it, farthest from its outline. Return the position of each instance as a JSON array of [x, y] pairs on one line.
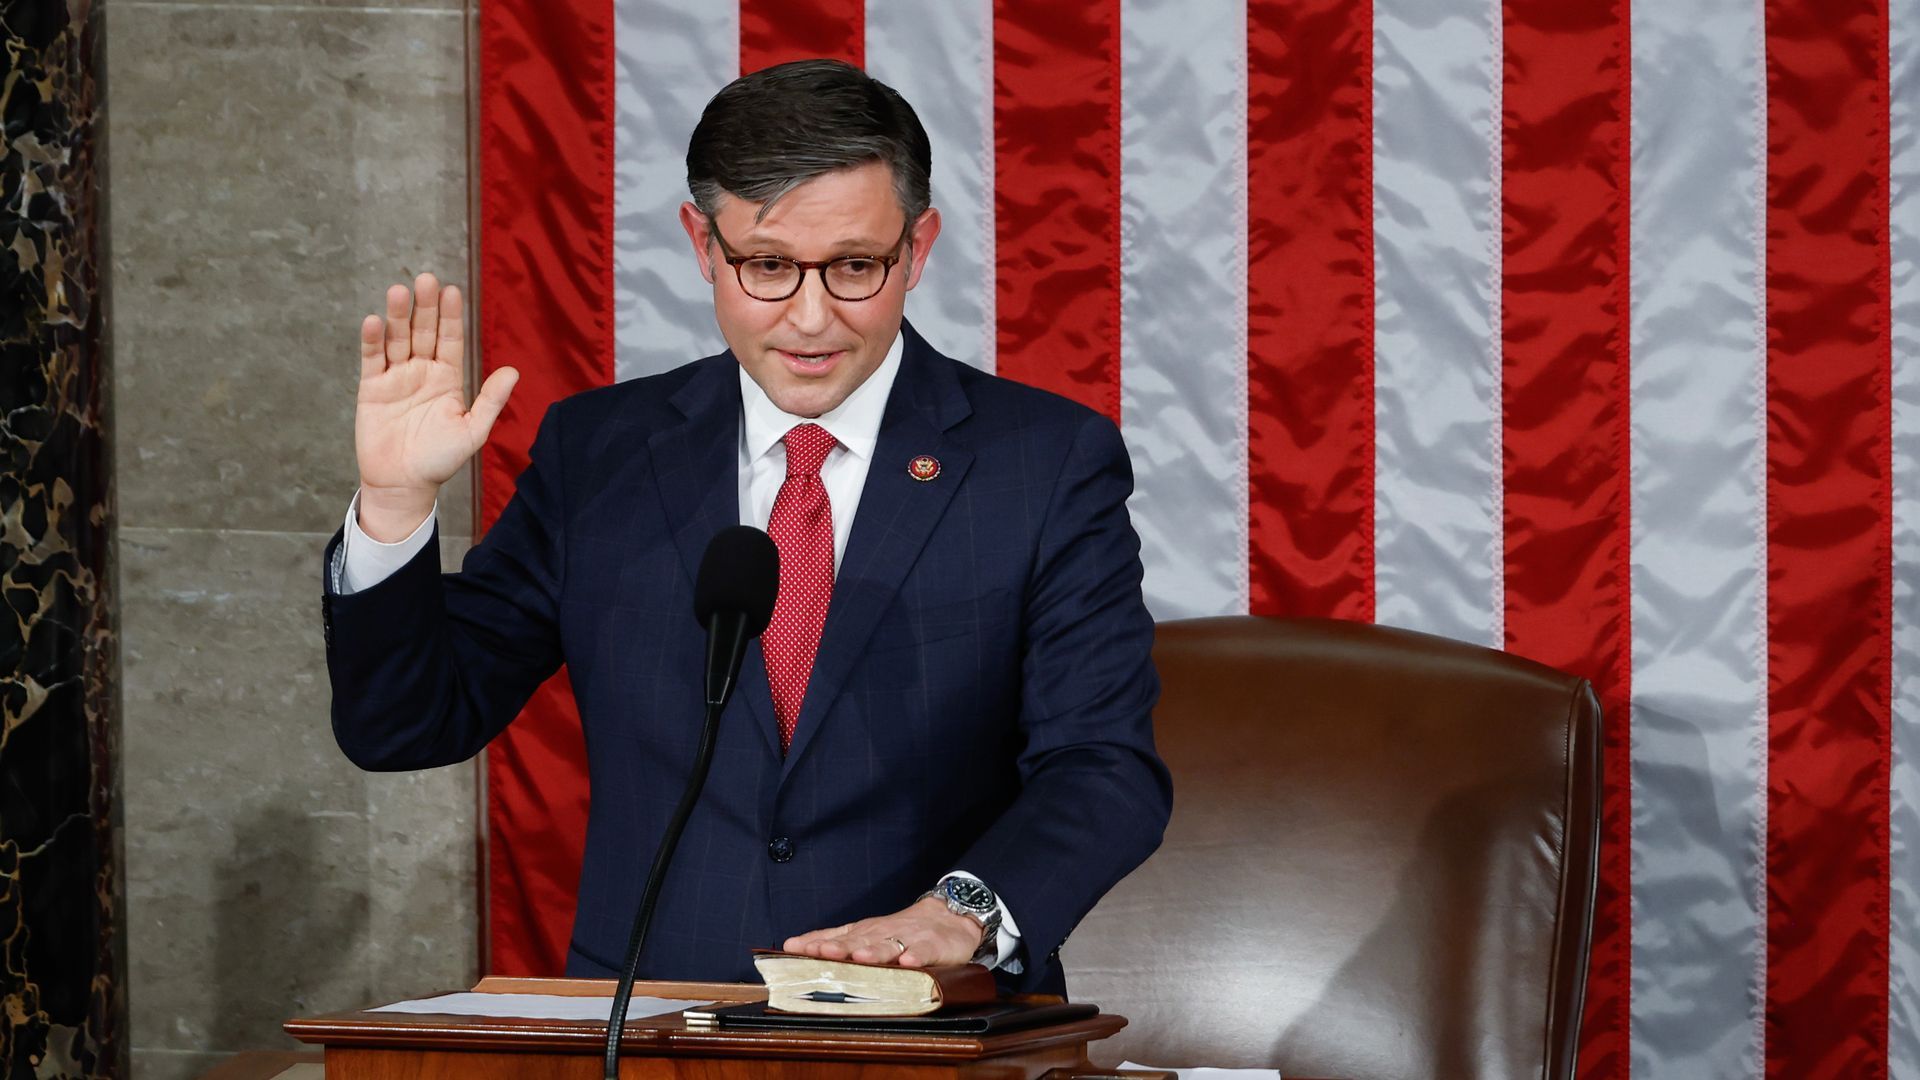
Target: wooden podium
[[418, 1046]]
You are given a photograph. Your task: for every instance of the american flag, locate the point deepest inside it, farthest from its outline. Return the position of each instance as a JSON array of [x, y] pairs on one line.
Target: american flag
[[1584, 329]]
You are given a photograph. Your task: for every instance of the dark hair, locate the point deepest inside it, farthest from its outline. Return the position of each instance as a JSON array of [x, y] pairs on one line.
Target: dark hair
[[769, 132]]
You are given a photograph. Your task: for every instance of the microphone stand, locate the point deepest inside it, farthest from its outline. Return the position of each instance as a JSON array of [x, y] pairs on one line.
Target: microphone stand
[[734, 644]]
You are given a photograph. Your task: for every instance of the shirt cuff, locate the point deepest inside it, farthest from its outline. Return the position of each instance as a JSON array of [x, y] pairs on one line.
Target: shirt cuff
[[1008, 943], [363, 562]]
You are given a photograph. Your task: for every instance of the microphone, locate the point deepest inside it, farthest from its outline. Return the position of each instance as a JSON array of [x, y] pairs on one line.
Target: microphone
[[733, 598]]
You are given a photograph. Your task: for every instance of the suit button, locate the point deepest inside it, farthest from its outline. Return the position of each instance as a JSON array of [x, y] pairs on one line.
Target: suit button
[[780, 849]]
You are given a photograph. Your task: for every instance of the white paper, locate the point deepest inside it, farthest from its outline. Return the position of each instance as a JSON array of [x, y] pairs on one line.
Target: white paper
[[538, 1006], [1205, 1074]]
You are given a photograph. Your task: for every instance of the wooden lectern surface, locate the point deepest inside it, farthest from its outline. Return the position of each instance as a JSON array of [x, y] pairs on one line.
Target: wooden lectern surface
[[364, 1045]]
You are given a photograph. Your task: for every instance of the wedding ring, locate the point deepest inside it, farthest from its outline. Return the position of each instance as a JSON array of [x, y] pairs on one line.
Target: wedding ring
[[901, 945]]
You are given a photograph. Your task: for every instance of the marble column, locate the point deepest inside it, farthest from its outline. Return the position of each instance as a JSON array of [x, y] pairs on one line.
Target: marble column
[[60, 883], [275, 165]]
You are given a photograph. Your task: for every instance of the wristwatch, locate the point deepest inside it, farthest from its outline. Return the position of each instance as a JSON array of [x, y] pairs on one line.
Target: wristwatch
[[965, 896]]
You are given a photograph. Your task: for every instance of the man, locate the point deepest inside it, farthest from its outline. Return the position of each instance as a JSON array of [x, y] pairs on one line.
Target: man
[[942, 748]]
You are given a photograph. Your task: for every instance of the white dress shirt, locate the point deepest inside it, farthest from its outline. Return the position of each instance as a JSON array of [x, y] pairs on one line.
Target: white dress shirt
[[854, 424], [363, 562]]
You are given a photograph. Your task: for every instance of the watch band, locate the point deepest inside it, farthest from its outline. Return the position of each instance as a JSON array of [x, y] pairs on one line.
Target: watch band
[[986, 913]]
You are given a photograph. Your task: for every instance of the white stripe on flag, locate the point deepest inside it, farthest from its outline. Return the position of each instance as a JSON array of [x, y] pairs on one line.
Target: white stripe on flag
[[670, 56], [1699, 718], [939, 55], [1183, 326], [1438, 550], [1903, 997]]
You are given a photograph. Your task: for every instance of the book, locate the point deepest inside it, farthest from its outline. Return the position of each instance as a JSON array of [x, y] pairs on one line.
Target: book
[[969, 1020], [811, 985]]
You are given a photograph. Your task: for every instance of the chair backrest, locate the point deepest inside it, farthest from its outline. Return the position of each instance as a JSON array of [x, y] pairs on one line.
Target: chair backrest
[[1381, 862]]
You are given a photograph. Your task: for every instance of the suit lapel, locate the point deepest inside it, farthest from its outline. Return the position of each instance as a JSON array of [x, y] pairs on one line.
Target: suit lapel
[[696, 467], [896, 516]]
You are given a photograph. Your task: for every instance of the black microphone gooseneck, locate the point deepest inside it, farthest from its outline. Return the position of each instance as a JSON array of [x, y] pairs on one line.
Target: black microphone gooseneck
[[733, 598]]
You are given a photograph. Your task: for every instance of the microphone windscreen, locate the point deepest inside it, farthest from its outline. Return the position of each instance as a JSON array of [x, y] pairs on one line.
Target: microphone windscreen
[[740, 573]]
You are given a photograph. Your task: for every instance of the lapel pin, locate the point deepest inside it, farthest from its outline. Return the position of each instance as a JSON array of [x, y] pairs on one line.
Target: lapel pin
[[923, 468]]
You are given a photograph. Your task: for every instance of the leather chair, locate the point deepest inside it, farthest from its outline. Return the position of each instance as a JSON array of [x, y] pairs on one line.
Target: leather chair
[[1381, 862]]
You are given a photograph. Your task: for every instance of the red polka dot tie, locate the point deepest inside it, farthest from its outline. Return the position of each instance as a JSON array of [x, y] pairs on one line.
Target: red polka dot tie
[[802, 528]]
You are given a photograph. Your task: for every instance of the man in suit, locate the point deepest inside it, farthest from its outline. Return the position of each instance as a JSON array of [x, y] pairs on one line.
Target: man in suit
[[942, 748]]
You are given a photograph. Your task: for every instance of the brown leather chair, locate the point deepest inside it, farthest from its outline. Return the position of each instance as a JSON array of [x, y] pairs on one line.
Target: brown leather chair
[[1381, 862]]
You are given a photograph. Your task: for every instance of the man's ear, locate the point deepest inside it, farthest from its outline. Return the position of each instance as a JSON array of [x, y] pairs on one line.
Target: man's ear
[[925, 230], [700, 232]]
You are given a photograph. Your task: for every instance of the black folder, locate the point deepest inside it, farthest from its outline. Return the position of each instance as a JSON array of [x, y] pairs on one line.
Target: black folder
[[971, 1020]]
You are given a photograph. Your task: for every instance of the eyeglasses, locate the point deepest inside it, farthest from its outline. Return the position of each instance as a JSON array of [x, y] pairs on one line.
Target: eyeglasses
[[775, 277]]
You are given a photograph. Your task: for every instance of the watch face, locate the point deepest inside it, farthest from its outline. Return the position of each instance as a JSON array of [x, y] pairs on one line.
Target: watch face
[[970, 894]]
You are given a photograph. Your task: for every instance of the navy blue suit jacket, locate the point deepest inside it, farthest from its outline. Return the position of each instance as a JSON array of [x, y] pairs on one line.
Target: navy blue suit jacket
[[981, 698]]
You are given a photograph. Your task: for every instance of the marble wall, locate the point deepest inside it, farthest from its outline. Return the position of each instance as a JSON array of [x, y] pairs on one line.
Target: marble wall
[[62, 992], [274, 166]]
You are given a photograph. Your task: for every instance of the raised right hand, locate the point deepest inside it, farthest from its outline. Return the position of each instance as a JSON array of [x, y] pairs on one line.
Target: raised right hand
[[412, 429]]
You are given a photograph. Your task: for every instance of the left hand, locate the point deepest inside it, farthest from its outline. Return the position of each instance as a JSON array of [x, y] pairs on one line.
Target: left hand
[[933, 936]]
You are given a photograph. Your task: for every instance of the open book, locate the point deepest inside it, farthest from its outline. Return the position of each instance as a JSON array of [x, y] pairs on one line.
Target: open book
[[808, 984]]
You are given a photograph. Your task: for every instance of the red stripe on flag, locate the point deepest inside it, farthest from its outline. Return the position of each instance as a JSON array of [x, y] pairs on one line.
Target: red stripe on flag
[[1310, 334], [1564, 398], [776, 31], [546, 288], [1056, 105], [536, 833], [1829, 575]]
